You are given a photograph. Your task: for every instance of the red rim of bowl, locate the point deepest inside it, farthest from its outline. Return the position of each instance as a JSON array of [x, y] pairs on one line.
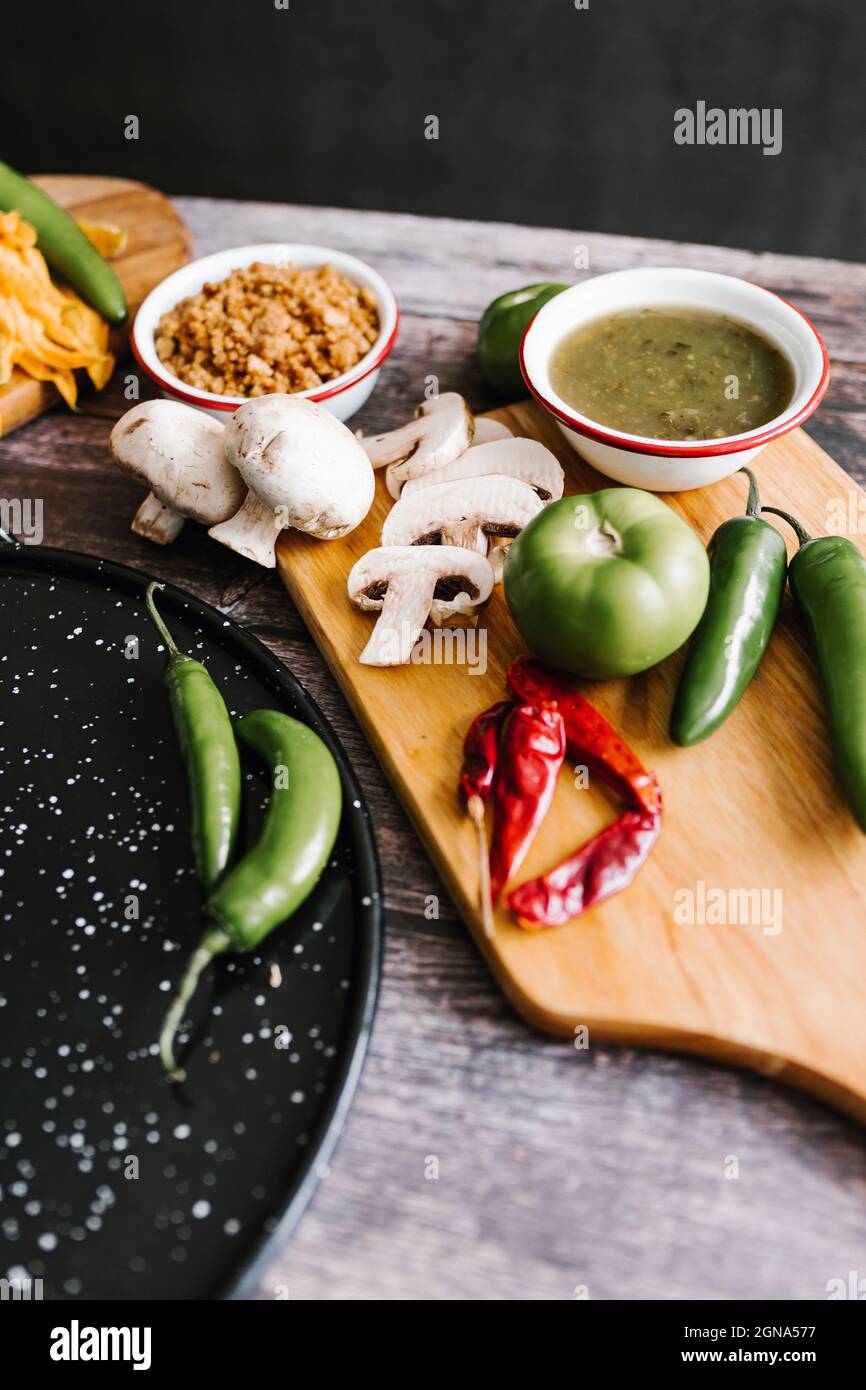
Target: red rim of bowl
[[217, 403], [725, 446]]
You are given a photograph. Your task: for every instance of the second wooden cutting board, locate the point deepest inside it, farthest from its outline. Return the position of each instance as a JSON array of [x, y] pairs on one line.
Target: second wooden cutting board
[[753, 811], [158, 242]]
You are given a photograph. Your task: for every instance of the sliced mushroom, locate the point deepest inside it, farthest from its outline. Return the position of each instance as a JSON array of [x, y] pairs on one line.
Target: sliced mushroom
[[487, 429], [462, 513], [524, 459], [402, 582], [442, 430], [180, 454], [303, 468]]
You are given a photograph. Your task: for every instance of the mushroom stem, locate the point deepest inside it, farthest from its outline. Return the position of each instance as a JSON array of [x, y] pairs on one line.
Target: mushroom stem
[[468, 534], [156, 521], [405, 609], [462, 606], [252, 531], [498, 554]]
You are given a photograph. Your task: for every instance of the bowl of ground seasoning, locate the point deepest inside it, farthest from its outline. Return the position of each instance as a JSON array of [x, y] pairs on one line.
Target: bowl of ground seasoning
[[667, 378], [295, 319]]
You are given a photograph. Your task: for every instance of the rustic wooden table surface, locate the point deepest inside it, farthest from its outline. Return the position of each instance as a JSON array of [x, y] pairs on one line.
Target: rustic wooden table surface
[[561, 1173]]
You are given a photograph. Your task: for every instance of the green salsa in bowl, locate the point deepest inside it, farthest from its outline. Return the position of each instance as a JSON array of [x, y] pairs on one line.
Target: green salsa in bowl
[[672, 374], [670, 379]]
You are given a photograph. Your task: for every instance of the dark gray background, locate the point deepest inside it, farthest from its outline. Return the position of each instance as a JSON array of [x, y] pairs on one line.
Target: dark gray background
[[548, 115]]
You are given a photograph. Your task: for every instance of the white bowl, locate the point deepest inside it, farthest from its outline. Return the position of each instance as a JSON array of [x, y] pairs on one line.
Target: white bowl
[[342, 396], [673, 465]]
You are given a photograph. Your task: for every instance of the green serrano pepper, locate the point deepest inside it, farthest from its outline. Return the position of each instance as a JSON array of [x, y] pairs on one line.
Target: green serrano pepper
[[298, 835], [748, 562], [64, 245], [209, 752], [285, 864], [828, 580]]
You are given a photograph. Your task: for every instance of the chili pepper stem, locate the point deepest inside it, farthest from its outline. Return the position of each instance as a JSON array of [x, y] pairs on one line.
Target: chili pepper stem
[[475, 808], [211, 944], [753, 506], [161, 628], [802, 535]]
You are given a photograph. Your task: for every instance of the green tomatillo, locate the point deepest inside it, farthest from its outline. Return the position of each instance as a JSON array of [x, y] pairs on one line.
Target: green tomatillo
[[501, 331], [607, 583]]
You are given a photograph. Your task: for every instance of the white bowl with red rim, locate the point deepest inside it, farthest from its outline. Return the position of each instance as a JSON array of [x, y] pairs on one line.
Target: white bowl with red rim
[[673, 465], [343, 395]]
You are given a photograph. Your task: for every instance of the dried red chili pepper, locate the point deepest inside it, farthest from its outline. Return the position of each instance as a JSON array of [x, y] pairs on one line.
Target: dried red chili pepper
[[518, 749], [480, 748], [480, 752], [591, 739], [611, 859], [531, 752], [603, 866]]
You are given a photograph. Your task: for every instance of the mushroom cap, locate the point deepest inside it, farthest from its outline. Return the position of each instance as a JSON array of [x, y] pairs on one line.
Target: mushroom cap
[[179, 452], [487, 429], [524, 459], [498, 505], [443, 429], [456, 570], [302, 462]]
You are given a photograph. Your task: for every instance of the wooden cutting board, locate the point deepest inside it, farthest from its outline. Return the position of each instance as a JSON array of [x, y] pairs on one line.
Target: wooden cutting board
[[755, 807], [159, 242]]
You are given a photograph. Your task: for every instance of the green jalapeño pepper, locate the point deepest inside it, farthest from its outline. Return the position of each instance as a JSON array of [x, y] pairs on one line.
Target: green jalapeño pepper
[[64, 245], [828, 580], [501, 331], [210, 755], [748, 563], [285, 864]]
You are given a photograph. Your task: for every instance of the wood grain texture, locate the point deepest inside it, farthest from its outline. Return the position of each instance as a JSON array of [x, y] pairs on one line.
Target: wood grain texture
[[760, 987], [158, 243], [557, 1168]]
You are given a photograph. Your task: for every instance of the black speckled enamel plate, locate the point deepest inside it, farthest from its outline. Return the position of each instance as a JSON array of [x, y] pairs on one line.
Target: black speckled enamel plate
[[113, 1182]]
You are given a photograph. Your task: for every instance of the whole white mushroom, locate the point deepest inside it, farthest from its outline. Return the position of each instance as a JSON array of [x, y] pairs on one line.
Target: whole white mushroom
[[179, 453], [304, 470]]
